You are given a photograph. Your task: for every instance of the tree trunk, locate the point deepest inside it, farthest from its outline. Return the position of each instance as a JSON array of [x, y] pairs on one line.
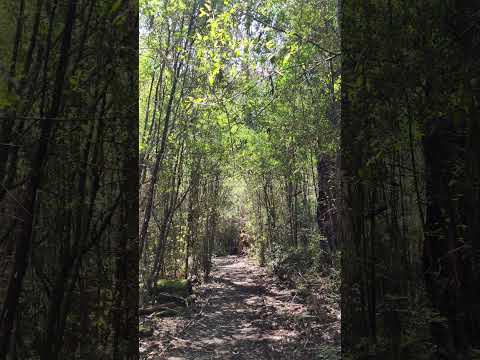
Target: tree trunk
[[23, 238]]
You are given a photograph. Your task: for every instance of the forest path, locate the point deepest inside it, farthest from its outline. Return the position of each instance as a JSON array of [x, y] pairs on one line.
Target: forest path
[[244, 313]]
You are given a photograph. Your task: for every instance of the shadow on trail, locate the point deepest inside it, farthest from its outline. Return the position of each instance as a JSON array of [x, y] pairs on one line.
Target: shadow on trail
[[247, 317]]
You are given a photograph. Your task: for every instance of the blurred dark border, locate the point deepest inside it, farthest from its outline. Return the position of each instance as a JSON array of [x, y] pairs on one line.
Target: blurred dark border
[[410, 168], [68, 179]]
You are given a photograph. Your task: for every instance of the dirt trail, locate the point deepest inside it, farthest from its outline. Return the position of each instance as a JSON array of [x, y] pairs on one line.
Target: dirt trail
[[244, 314]]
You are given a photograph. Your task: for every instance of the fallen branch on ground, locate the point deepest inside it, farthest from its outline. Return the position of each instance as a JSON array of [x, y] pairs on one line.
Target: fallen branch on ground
[[155, 308], [164, 297]]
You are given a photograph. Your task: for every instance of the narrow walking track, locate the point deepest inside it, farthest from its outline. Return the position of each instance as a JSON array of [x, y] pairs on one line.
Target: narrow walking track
[[245, 314]]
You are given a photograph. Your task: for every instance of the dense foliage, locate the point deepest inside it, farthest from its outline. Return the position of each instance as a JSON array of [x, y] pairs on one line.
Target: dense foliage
[[239, 109]]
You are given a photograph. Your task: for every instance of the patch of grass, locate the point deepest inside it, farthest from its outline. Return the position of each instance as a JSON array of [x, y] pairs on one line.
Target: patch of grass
[[174, 284], [179, 287]]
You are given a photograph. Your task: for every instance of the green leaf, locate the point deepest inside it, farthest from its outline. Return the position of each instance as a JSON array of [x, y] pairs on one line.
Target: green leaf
[[116, 6]]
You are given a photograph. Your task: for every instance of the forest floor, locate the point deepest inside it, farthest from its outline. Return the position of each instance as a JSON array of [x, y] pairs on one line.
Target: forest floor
[[245, 313]]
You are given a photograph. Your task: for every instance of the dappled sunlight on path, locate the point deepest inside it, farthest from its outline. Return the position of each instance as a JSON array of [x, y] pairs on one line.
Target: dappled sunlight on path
[[248, 316]]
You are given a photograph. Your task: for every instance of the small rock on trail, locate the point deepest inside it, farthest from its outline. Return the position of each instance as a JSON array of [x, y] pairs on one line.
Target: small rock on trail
[[246, 314]]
